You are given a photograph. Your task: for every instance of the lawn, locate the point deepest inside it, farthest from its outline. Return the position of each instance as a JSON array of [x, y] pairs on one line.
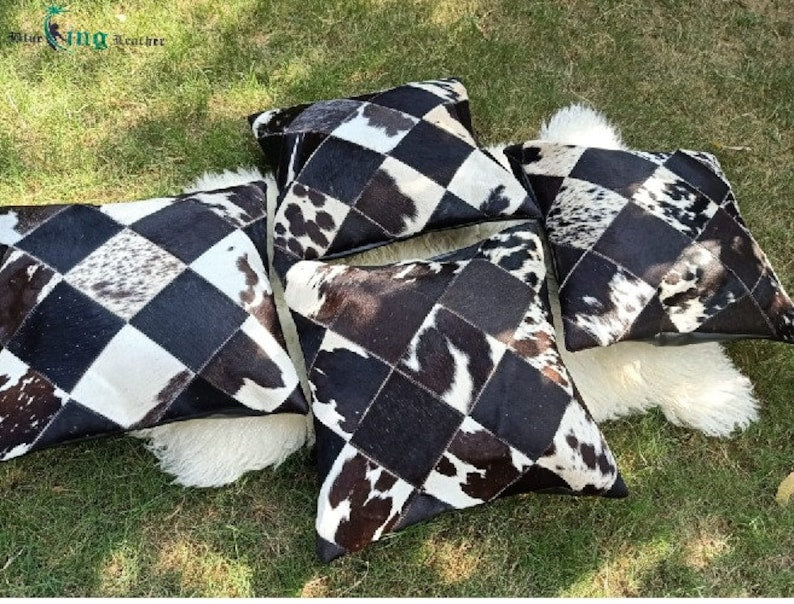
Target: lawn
[[135, 121]]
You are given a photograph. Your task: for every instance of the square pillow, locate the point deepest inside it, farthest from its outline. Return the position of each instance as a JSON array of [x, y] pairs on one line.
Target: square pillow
[[128, 315], [650, 246], [437, 385], [361, 172]]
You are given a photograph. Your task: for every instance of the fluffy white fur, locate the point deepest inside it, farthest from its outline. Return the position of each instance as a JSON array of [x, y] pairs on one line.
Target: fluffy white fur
[[695, 386], [216, 451], [580, 125]]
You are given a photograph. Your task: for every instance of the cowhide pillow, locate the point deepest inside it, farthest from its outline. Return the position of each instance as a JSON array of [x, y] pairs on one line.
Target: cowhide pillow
[[437, 385], [128, 315], [650, 246], [361, 172]]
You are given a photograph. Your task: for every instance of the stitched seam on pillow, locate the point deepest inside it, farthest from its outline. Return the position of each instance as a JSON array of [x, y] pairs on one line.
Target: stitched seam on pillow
[[330, 136], [84, 408], [394, 368], [64, 207], [589, 249], [626, 270], [579, 261], [748, 290], [38, 302], [420, 489], [579, 402], [700, 247], [767, 269], [368, 219], [7, 254], [217, 350], [504, 441], [283, 133], [333, 235], [486, 382], [764, 314], [236, 331]]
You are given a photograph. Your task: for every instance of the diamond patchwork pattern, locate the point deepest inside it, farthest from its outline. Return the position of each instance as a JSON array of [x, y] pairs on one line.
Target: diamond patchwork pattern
[[650, 246], [437, 385], [124, 316], [362, 172]]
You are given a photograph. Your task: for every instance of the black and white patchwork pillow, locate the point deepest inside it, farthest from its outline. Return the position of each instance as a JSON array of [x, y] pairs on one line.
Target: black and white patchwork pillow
[[650, 246], [360, 172], [128, 315], [437, 385]]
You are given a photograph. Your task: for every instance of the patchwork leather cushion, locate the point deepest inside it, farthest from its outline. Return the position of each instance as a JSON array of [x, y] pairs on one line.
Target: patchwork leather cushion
[[650, 246], [360, 172], [437, 385], [125, 316]]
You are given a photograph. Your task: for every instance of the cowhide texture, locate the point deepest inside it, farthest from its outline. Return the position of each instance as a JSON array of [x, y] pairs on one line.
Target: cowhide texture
[[650, 246], [695, 386], [437, 385], [361, 172], [123, 316]]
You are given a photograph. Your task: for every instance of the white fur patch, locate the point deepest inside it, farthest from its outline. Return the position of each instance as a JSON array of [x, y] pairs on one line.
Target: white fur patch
[[8, 223], [125, 381], [252, 394], [236, 249], [217, 451], [477, 178], [425, 193], [628, 296], [359, 129], [554, 160], [307, 299], [582, 224], [581, 125], [129, 213]]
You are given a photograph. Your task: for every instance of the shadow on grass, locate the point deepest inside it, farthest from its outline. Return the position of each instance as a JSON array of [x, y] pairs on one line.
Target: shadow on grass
[[99, 519]]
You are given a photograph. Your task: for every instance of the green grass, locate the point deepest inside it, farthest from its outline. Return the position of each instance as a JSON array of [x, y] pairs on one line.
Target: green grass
[[86, 126]]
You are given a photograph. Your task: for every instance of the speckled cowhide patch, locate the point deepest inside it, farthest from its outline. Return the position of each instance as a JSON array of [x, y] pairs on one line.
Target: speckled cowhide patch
[[361, 172], [650, 246], [437, 385], [124, 316]]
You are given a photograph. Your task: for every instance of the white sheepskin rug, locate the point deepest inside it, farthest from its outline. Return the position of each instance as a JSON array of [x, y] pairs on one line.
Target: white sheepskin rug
[[696, 386]]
